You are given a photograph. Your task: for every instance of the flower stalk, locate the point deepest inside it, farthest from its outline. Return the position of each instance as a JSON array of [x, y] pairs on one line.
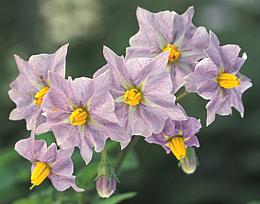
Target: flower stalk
[[106, 179]]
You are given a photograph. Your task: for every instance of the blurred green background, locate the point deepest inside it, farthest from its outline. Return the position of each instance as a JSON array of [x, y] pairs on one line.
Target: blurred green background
[[229, 170]]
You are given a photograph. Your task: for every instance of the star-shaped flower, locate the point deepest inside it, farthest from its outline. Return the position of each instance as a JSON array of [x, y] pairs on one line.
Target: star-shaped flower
[[81, 114], [169, 31], [48, 162], [32, 83], [177, 136], [217, 79], [142, 93]]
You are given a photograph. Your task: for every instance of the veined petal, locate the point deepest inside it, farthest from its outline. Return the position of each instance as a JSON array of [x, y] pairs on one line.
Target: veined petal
[[154, 76], [29, 71], [213, 51], [179, 133], [55, 62], [31, 149], [63, 163], [117, 67], [63, 182], [51, 154], [219, 104], [229, 54]]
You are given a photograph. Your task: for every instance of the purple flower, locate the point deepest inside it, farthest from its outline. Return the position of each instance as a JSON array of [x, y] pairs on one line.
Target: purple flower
[[32, 83], [106, 186], [217, 79], [177, 136], [48, 162], [80, 113], [142, 93], [169, 31]]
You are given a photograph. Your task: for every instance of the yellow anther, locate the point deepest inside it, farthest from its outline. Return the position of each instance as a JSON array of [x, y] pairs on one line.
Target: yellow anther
[[40, 172], [177, 146], [175, 54], [38, 97], [78, 117], [132, 97], [228, 81]]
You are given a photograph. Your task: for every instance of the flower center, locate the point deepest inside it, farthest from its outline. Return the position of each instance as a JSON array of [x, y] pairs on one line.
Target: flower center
[[40, 172], [177, 145], [78, 117], [228, 81], [132, 97], [38, 97], [175, 54]]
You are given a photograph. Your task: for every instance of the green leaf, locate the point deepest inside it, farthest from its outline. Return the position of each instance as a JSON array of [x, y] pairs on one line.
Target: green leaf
[[115, 199]]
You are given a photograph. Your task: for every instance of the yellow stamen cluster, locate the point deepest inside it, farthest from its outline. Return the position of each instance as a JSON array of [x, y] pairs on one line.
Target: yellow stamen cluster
[[177, 145], [38, 97], [228, 81], [132, 97], [175, 54], [40, 172], [78, 117]]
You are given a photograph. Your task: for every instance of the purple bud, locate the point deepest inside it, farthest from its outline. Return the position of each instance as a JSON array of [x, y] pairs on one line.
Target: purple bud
[[106, 186]]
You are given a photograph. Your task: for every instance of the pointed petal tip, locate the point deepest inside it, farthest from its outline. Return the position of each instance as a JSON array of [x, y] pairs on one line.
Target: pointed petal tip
[[124, 144], [110, 55], [77, 189], [107, 51], [213, 35], [190, 9], [16, 146], [64, 46], [105, 47], [244, 56], [209, 122], [13, 115], [17, 58], [139, 10], [242, 114], [189, 13]]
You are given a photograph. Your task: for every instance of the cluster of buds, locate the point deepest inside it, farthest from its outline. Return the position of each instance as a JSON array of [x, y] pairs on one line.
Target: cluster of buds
[[130, 95]]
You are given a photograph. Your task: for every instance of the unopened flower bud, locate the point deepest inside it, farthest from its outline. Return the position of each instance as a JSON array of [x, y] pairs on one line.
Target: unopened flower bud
[[189, 163], [106, 179], [106, 186]]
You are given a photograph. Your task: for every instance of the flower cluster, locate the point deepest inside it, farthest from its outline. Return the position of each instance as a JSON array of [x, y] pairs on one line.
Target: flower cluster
[[131, 95]]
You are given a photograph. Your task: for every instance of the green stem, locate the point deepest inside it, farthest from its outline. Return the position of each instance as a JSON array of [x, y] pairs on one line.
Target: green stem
[[181, 96], [104, 154], [104, 166], [123, 154]]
